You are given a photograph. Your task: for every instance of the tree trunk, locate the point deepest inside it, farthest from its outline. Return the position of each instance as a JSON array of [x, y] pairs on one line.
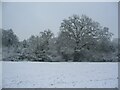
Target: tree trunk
[[76, 54]]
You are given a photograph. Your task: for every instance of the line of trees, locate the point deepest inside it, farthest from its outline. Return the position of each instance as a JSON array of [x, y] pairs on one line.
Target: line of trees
[[80, 39]]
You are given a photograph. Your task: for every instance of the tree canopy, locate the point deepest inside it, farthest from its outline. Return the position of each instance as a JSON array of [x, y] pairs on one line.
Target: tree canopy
[[80, 39]]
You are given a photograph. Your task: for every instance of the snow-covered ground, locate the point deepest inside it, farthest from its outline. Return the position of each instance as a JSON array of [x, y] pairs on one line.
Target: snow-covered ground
[[60, 75]]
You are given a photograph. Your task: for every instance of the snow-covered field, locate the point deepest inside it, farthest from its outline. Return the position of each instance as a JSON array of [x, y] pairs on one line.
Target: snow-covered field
[[60, 75]]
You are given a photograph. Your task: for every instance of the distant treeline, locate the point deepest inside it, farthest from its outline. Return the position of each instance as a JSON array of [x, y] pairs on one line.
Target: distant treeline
[[80, 39]]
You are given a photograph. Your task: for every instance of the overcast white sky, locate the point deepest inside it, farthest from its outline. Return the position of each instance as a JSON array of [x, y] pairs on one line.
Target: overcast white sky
[[0, 15], [30, 18]]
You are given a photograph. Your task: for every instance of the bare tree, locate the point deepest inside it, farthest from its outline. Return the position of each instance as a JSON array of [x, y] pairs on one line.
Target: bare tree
[[83, 32]]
